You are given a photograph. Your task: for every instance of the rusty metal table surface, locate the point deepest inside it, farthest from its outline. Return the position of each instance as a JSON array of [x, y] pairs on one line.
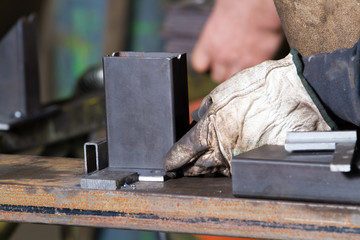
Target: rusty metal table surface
[[47, 190]]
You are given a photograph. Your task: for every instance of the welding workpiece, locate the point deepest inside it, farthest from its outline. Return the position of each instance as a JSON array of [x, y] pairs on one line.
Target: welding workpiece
[[312, 166], [146, 113]]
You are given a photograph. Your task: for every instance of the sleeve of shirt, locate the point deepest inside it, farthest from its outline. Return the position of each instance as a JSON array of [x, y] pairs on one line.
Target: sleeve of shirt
[[335, 77]]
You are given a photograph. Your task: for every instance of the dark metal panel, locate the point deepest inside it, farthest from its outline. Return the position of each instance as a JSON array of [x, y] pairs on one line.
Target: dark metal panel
[[271, 172], [19, 73], [146, 102]]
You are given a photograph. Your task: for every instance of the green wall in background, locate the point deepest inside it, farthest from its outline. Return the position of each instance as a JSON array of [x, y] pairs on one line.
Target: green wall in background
[[79, 27], [146, 23]]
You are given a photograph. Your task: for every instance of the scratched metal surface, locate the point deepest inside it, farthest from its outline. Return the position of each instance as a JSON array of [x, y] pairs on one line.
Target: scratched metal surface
[[46, 190]]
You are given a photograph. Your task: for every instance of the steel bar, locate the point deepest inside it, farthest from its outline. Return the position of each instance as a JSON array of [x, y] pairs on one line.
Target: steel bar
[[341, 142], [314, 141], [46, 190]]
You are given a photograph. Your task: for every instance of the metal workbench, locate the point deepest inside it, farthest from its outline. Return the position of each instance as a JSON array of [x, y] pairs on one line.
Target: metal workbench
[[47, 190]]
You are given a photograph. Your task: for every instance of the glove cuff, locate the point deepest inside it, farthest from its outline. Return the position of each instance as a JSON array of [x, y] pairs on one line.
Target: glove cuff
[[299, 68]]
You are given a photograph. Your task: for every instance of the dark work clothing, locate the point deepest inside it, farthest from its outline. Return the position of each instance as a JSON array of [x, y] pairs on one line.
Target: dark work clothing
[[335, 77]]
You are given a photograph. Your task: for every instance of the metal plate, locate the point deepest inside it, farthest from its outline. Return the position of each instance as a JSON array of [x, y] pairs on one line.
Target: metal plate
[[271, 172], [46, 190], [107, 179]]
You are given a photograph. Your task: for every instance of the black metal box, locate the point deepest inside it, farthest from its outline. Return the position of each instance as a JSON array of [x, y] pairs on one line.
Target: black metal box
[[272, 173], [146, 107]]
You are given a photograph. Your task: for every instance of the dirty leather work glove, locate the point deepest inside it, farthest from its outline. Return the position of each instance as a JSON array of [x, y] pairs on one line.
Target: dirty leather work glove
[[254, 107]]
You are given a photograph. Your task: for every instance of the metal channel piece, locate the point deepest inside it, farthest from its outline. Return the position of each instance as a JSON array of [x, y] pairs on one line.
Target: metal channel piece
[[95, 155], [341, 142]]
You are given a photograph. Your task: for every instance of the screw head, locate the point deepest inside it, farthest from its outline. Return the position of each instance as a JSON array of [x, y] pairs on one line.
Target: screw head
[[18, 114]]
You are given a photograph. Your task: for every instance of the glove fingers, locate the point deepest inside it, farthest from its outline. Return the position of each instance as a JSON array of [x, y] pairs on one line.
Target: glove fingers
[[194, 171], [210, 159], [192, 145], [208, 163], [201, 166]]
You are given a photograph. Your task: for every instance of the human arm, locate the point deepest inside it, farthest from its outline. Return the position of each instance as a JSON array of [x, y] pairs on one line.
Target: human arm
[[335, 77], [238, 34]]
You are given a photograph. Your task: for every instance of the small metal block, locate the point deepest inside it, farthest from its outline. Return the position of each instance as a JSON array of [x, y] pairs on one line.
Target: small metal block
[[107, 179]]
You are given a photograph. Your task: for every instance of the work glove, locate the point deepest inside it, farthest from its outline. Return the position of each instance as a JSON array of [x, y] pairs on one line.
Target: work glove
[[256, 106]]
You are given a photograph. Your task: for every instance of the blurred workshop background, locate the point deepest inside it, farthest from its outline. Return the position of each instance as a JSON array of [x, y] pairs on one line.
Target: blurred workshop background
[[73, 35]]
